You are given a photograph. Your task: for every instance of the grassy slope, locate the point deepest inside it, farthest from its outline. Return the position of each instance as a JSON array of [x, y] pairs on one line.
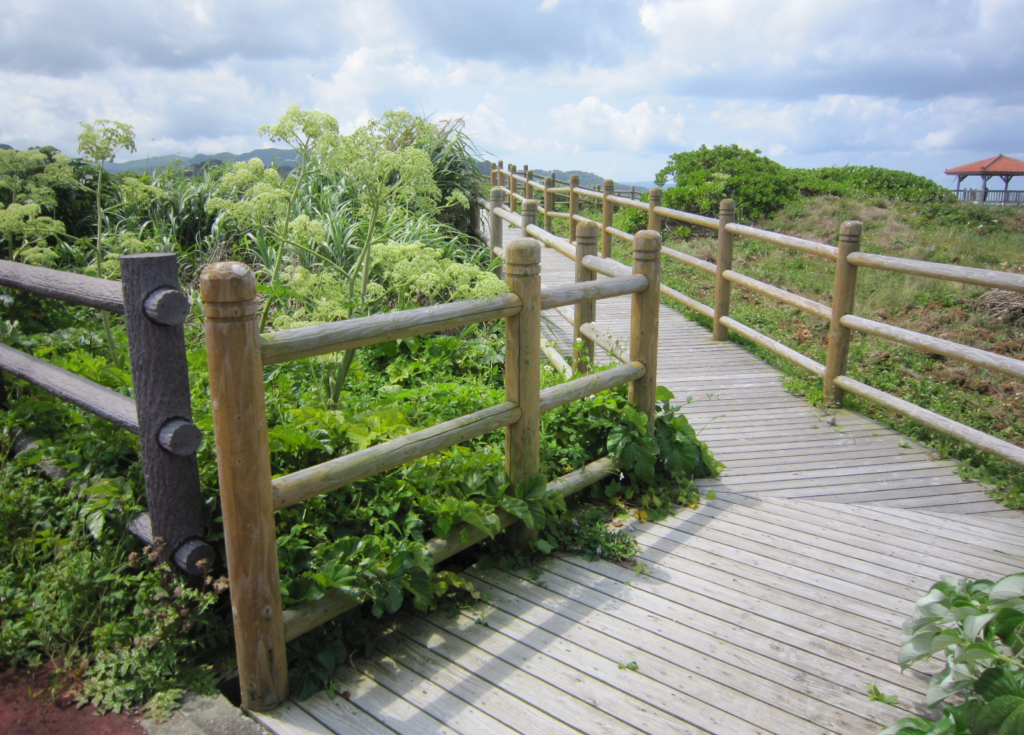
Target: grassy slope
[[965, 234]]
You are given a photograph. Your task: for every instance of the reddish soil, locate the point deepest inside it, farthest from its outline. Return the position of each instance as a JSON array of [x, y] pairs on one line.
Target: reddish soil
[[28, 706]]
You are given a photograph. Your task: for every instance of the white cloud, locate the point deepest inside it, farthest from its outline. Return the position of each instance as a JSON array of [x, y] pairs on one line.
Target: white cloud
[[595, 125]]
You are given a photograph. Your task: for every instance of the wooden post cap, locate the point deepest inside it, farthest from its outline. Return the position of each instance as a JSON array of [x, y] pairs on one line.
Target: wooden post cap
[[609, 186], [727, 205], [522, 257], [229, 291], [167, 306], [574, 179], [654, 195], [497, 196], [647, 245], [227, 282], [589, 231], [851, 229], [530, 208]]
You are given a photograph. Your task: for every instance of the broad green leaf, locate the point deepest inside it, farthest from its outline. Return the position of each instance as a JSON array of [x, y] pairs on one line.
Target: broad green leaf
[[908, 726], [1014, 723], [976, 652], [997, 682], [1007, 589], [543, 546], [995, 713], [663, 394], [974, 626], [517, 507]]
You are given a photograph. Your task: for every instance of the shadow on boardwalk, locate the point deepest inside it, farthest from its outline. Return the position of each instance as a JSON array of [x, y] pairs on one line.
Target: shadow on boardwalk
[[768, 610]]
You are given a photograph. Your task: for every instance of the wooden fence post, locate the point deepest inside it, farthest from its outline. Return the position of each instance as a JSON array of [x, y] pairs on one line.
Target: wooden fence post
[[723, 288], [243, 465], [643, 323], [653, 218], [513, 187], [495, 223], [528, 184], [842, 304], [574, 205], [607, 210], [522, 368], [585, 312], [549, 202], [494, 175], [155, 311], [529, 215]]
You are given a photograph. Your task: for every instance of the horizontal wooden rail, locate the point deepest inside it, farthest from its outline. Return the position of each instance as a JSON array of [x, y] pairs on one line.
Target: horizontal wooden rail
[[688, 259], [557, 190], [553, 241], [795, 243], [555, 357], [620, 234], [552, 296], [606, 342], [627, 202], [510, 217], [581, 218], [804, 304], [108, 404], [979, 439], [941, 271], [681, 216], [688, 302], [308, 615], [606, 266], [935, 345], [776, 348], [336, 473], [322, 339], [72, 288], [588, 385], [557, 215], [593, 194]]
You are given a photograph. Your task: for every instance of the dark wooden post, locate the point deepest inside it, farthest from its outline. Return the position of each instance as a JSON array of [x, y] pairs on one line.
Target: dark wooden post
[[723, 287], [607, 211], [574, 204], [528, 184], [243, 465], [522, 368], [644, 318], [842, 304], [549, 202], [155, 311], [585, 311], [653, 218]]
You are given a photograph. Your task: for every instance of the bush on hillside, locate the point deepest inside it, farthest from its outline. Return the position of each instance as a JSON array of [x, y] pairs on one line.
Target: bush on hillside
[[702, 178], [867, 181]]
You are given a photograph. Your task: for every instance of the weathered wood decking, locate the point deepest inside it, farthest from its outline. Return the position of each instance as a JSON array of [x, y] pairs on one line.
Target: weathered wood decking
[[768, 610]]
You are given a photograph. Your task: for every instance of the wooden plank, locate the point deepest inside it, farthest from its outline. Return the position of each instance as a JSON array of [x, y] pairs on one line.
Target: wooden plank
[[660, 661], [469, 687], [837, 522], [428, 697], [827, 669], [778, 685], [289, 719], [340, 716], [524, 677]]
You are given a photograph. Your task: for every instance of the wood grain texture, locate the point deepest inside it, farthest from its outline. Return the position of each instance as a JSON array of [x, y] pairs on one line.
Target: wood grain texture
[[585, 311], [843, 295], [958, 273], [108, 404], [72, 288], [723, 288], [243, 454]]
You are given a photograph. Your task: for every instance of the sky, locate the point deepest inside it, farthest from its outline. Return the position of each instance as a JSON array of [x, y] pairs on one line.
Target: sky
[[609, 86]]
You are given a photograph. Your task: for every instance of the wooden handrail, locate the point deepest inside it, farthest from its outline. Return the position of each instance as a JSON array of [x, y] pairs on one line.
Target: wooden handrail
[[72, 288], [941, 271], [323, 339], [787, 297], [108, 404]]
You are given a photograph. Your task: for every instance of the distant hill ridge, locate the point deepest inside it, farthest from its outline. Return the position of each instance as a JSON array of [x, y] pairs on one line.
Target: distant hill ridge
[[284, 158]]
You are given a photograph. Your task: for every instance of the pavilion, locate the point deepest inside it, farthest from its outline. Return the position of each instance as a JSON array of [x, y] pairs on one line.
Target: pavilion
[[1002, 166]]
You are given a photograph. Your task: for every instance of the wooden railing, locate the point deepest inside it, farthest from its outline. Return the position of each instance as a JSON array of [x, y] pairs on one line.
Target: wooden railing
[[237, 353], [990, 196], [840, 314], [155, 310]]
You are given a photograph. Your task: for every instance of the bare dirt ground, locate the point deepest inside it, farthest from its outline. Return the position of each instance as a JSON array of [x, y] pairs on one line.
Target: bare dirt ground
[[28, 706]]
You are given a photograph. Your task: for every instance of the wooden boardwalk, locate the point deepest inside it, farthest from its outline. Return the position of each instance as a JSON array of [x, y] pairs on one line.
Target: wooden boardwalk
[[768, 610]]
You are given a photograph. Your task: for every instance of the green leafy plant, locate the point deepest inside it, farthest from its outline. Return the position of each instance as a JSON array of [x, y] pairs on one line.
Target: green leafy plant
[[977, 628]]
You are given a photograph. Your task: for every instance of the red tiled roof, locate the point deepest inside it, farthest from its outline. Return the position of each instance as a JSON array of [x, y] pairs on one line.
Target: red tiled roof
[[996, 165]]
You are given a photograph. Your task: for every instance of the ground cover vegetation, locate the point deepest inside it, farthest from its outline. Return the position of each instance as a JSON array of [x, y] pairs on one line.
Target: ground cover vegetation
[[366, 223], [903, 215]]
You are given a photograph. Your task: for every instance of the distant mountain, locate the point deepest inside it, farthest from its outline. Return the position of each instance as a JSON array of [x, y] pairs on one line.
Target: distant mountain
[[284, 158], [587, 179]]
